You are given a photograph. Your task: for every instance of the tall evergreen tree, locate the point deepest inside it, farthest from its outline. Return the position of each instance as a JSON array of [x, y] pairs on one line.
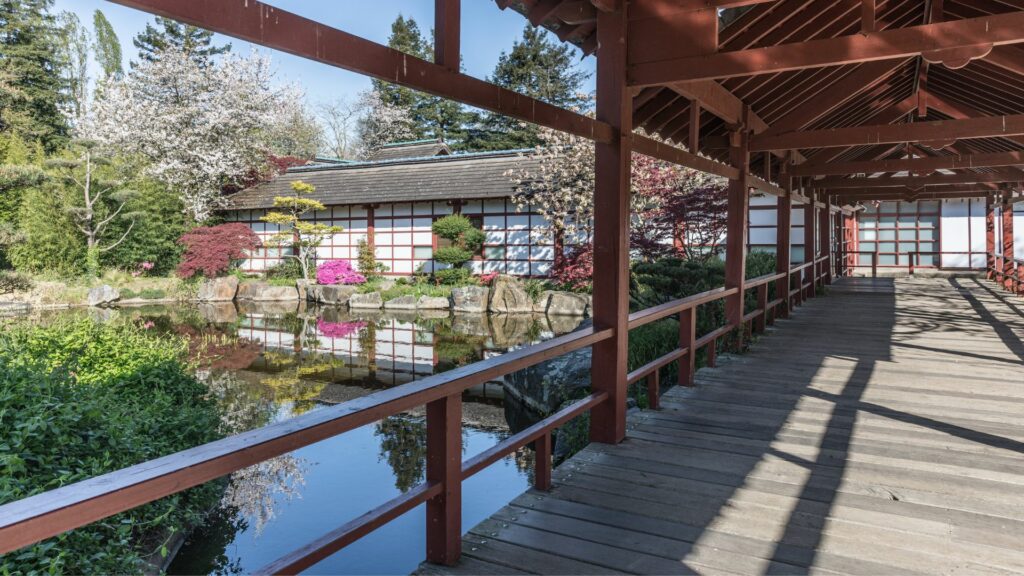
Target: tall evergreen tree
[[74, 55], [540, 67], [32, 89], [168, 33], [106, 47], [432, 116]]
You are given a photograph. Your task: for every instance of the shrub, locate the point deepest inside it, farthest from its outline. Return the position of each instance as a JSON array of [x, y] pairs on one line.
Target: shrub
[[465, 242], [13, 282], [154, 237], [51, 242], [367, 260], [575, 270], [454, 276], [288, 269], [82, 399], [338, 272], [211, 250]]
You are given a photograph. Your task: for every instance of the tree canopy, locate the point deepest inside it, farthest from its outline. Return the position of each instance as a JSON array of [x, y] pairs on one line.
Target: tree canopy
[[171, 34]]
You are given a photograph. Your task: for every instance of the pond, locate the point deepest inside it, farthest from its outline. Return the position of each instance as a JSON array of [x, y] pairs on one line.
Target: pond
[[267, 363]]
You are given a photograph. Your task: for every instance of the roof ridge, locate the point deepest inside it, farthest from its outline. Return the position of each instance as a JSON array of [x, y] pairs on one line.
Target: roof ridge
[[412, 160]]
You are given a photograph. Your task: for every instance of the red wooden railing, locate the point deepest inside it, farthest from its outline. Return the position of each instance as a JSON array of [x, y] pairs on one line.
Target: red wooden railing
[[1008, 273], [45, 515]]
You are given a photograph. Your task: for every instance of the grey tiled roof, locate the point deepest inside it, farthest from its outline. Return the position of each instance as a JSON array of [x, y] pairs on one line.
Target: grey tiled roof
[[458, 176], [415, 149]]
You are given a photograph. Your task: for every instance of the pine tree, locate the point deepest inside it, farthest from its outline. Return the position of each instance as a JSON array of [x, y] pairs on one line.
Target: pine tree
[[169, 33], [32, 89], [432, 116], [106, 47], [540, 68]]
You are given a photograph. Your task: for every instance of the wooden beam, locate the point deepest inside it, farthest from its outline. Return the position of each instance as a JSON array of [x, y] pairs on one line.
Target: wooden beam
[[540, 11], [447, 33], [952, 41], [936, 131], [736, 233], [719, 4], [1008, 58], [265, 25], [667, 152], [694, 139], [837, 183], [915, 165], [611, 230], [867, 16]]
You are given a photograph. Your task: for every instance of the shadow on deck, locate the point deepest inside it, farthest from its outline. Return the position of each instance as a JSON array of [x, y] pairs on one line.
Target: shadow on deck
[[878, 431]]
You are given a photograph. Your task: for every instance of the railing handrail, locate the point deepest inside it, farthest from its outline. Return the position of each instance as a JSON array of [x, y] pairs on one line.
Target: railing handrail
[[655, 313], [763, 279], [35, 518]]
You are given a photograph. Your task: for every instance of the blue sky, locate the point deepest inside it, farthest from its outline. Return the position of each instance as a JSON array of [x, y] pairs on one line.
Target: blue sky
[[487, 31]]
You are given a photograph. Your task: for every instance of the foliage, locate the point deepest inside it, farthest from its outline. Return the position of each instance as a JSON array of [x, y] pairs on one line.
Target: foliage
[[106, 47], [338, 272], [33, 93], [13, 282], [293, 230], [159, 224], [403, 443], [382, 122], [455, 277], [171, 35], [288, 269], [144, 294], [192, 127], [465, 241], [211, 250], [367, 261], [50, 240], [83, 399], [540, 67], [73, 44], [431, 116], [339, 119], [576, 270], [97, 202]]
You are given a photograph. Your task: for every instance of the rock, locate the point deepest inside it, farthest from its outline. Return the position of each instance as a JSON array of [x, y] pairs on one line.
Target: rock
[[307, 289], [218, 289], [508, 297], [470, 299], [103, 295], [263, 292], [370, 300], [401, 303], [219, 312], [544, 387], [540, 305], [336, 294], [567, 304], [471, 324], [433, 303], [268, 307], [508, 330]]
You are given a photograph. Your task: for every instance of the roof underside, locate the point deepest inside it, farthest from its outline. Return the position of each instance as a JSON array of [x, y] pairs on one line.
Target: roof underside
[[871, 93]]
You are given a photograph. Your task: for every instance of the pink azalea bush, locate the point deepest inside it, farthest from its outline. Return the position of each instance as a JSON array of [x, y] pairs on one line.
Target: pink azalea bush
[[486, 279], [338, 272], [338, 329]]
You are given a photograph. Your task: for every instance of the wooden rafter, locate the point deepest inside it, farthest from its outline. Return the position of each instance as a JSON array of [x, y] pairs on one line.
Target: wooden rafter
[[915, 165], [952, 41], [915, 182]]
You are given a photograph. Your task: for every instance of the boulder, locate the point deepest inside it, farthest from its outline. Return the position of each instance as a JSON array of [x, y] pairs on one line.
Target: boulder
[[269, 308], [371, 300], [433, 303], [540, 305], [567, 304], [401, 303], [218, 289], [103, 295], [508, 330], [508, 297], [336, 294], [544, 387], [307, 289], [471, 324], [470, 299], [263, 292], [219, 312]]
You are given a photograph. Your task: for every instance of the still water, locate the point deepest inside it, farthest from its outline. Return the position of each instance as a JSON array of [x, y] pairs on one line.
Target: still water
[[267, 363]]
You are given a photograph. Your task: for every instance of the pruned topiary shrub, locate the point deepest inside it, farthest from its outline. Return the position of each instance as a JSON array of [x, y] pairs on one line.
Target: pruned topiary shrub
[[464, 241]]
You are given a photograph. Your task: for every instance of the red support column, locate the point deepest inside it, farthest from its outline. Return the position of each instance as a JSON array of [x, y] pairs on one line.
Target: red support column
[[990, 237], [611, 230], [444, 465], [810, 243], [783, 250], [736, 231], [1008, 273], [825, 241], [687, 336]]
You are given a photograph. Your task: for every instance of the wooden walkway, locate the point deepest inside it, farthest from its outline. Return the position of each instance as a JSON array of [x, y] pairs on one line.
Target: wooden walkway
[[878, 431]]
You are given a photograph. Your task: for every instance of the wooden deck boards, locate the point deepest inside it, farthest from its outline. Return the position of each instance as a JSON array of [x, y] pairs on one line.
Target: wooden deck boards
[[880, 430]]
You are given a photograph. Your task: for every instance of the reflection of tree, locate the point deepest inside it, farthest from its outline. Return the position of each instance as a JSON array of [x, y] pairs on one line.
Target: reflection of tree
[[291, 378], [403, 443], [212, 348], [455, 349]]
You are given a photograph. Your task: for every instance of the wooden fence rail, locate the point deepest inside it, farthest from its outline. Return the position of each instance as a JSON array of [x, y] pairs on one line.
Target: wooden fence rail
[[45, 515]]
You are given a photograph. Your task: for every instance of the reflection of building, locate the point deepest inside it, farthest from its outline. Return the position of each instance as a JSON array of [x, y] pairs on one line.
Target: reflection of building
[[394, 198]]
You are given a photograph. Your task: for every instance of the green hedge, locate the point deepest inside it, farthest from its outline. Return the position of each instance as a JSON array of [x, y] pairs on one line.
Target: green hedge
[[79, 399]]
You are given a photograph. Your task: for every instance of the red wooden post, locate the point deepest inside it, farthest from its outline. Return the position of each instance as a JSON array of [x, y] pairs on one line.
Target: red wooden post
[[783, 250], [990, 237], [444, 465], [653, 389], [447, 29], [611, 229], [1008, 272], [687, 336], [761, 320], [825, 232], [712, 352], [542, 463], [810, 244], [736, 230]]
